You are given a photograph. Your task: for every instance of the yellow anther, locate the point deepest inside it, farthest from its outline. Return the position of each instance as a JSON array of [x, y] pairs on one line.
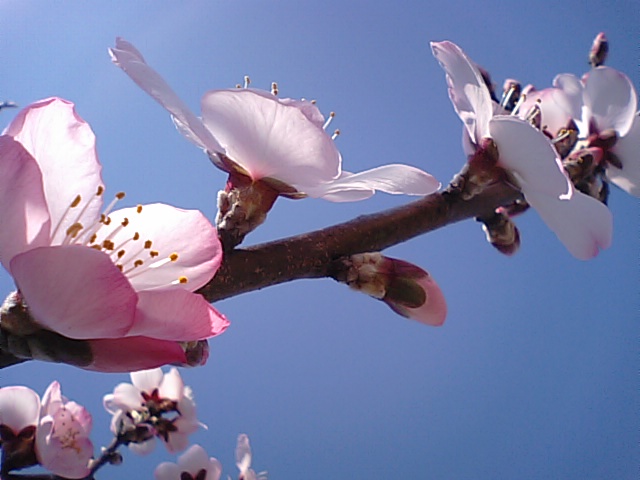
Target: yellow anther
[[173, 257], [136, 236], [137, 263], [93, 238], [183, 279], [139, 209], [76, 201], [100, 191], [125, 222], [96, 247], [147, 244], [153, 253], [107, 221], [121, 253], [74, 230], [120, 195], [108, 245], [120, 267]]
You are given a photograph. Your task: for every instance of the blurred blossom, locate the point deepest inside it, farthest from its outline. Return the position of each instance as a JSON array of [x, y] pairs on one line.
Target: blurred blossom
[[62, 438], [243, 460], [583, 224], [281, 141], [121, 280], [157, 401], [194, 464], [53, 433]]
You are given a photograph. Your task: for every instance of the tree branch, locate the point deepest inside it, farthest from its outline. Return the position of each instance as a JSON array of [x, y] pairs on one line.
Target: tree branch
[[311, 255]]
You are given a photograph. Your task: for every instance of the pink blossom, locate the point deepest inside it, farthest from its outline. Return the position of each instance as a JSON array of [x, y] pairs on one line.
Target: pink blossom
[[191, 465], [19, 415], [583, 224], [278, 140], [62, 438], [121, 280], [144, 401]]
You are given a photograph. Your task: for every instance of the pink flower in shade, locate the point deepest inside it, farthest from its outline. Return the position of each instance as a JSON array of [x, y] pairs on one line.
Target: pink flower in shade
[[160, 401], [583, 224], [279, 140], [120, 280], [194, 464], [54, 433], [408, 289], [62, 438]]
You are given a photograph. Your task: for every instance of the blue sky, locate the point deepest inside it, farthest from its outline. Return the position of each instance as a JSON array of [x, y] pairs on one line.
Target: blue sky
[[534, 374]]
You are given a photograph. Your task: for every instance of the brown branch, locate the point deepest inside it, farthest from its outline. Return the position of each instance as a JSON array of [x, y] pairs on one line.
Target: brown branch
[[311, 255]]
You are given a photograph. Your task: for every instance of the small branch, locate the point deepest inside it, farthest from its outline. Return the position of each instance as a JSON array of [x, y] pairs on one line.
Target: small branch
[[310, 255]]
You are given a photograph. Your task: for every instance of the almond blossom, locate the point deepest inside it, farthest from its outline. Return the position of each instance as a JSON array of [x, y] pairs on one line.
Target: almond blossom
[[243, 460], [583, 224], [281, 141], [604, 105], [158, 401], [193, 464], [53, 433], [121, 281]]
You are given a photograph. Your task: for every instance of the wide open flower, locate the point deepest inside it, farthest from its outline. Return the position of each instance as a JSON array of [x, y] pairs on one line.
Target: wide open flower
[[158, 401], [194, 464], [62, 438], [121, 280], [279, 140], [582, 224]]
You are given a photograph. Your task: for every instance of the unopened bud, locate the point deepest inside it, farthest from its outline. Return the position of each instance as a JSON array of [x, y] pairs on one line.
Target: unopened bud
[[599, 50], [501, 232], [407, 289], [197, 352]]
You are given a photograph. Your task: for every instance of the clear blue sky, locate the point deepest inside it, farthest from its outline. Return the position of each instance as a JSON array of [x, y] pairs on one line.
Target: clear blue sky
[[535, 373]]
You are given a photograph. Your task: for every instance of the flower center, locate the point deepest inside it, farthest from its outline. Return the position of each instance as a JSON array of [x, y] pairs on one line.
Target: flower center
[[132, 254]]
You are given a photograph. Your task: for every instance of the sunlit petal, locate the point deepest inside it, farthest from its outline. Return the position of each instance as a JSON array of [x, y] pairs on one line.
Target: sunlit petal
[[611, 99]]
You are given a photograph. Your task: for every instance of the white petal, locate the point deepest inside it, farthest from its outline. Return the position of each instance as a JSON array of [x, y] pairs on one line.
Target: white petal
[[393, 179], [529, 153], [554, 106], [167, 471], [147, 380], [583, 224], [243, 453], [611, 99], [573, 90], [129, 59], [193, 460], [467, 90], [124, 397], [172, 385], [269, 138], [628, 151], [19, 408]]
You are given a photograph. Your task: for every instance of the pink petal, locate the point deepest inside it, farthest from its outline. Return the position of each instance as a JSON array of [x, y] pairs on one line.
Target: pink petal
[[176, 315], [177, 441], [170, 230], [628, 151], [611, 99], [195, 458], [68, 461], [554, 105], [52, 399], [130, 60], [467, 90], [144, 448], [529, 154], [19, 407], [64, 146], [134, 353], [393, 179], [75, 291], [581, 223], [434, 310], [573, 89], [25, 217], [269, 138]]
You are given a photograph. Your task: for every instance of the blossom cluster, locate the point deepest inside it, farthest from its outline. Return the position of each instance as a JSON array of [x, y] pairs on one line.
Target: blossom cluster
[[54, 432]]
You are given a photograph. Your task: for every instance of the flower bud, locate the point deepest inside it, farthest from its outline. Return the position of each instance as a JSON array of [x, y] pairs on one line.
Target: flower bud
[[501, 232], [599, 50], [407, 289]]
